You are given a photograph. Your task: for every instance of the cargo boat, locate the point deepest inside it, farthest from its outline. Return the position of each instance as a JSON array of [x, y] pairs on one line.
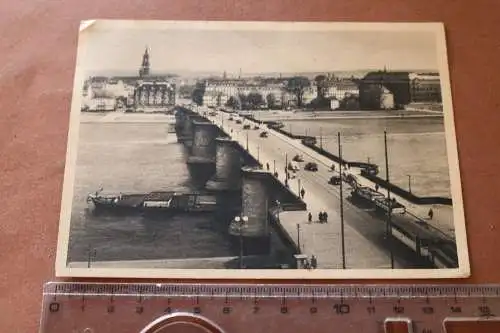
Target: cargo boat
[[158, 201]]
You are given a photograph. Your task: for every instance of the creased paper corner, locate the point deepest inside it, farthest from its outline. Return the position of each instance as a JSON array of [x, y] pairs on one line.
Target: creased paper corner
[[86, 24]]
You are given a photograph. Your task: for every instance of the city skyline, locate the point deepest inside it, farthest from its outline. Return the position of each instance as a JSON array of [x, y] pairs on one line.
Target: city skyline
[[259, 52]]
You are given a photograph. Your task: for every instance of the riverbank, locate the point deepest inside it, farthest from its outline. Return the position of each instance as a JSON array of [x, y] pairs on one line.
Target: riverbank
[[270, 115]]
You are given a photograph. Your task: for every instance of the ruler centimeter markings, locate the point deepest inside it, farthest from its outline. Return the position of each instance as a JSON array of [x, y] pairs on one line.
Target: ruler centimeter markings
[[171, 308]]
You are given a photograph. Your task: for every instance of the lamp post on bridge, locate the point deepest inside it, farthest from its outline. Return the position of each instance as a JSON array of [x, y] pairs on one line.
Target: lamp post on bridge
[[286, 166], [92, 253], [298, 238], [239, 224], [409, 183], [298, 190], [247, 141]]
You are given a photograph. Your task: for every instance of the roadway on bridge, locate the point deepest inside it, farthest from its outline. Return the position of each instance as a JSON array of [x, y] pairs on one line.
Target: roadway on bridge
[[365, 244]]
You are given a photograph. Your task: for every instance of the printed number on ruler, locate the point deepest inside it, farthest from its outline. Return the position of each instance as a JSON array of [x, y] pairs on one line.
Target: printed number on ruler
[[148, 308]]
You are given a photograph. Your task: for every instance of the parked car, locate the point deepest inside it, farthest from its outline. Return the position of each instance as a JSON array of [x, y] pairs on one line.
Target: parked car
[[311, 166], [334, 180], [246, 126], [263, 134], [238, 121], [298, 158]]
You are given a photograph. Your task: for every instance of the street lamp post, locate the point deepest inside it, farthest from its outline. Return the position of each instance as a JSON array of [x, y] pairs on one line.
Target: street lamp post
[[298, 238], [286, 165], [298, 181], [91, 255], [389, 211], [240, 222], [321, 138], [258, 154], [274, 166], [409, 183], [247, 141]]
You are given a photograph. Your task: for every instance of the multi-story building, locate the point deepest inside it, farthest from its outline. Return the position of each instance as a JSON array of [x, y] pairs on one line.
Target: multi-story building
[[341, 88], [218, 92], [406, 87], [154, 96], [425, 87]]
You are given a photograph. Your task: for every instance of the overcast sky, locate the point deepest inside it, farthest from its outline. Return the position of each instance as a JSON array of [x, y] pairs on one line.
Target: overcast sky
[[260, 51]]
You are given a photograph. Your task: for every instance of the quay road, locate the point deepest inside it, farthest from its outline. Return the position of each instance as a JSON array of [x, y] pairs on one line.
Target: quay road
[[364, 234]]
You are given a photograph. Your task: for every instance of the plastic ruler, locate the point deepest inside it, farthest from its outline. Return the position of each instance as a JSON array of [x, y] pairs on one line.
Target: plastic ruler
[[242, 308]]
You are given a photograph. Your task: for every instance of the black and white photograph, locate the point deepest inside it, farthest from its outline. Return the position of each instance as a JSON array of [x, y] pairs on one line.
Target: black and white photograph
[[262, 150]]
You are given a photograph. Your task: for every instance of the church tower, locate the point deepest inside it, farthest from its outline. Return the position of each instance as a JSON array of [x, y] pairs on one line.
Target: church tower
[[144, 70]]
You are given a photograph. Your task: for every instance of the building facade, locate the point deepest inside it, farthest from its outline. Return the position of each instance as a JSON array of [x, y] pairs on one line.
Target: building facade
[[425, 87], [406, 88], [218, 92], [341, 88], [154, 96]]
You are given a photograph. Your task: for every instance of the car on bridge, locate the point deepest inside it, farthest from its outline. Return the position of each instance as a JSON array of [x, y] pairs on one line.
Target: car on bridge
[[311, 166], [334, 180], [294, 166], [256, 127], [231, 118], [238, 121], [298, 158], [246, 126], [263, 134]]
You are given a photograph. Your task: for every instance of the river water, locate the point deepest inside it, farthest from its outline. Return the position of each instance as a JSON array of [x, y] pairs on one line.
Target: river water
[[416, 148], [135, 157]]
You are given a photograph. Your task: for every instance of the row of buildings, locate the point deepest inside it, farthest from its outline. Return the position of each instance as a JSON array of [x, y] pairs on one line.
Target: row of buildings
[[275, 92], [376, 90]]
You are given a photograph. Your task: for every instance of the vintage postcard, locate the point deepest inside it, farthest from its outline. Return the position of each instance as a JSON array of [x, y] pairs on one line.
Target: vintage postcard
[[262, 150]]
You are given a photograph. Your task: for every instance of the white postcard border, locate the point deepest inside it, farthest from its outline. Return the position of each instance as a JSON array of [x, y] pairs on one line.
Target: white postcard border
[[62, 270]]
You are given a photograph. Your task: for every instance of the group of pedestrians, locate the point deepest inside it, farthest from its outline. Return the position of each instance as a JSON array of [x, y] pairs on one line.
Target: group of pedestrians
[[322, 217], [310, 263]]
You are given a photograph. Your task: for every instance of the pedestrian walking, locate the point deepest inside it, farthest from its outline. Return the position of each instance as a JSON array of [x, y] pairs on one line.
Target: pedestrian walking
[[376, 187], [431, 214], [302, 193], [332, 167], [276, 174], [314, 262], [267, 166], [309, 217], [320, 217], [325, 217]]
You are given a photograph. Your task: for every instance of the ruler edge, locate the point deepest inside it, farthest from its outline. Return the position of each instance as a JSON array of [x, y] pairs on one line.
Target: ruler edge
[[278, 290], [444, 321]]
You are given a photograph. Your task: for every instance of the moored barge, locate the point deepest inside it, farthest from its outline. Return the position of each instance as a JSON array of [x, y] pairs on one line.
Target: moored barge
[[157, 201]]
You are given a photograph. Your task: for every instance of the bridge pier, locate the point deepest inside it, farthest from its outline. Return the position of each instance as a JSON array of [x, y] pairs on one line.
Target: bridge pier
[[201, 162], [184, 129], [256, 231], [228, 163], [203, 149]]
